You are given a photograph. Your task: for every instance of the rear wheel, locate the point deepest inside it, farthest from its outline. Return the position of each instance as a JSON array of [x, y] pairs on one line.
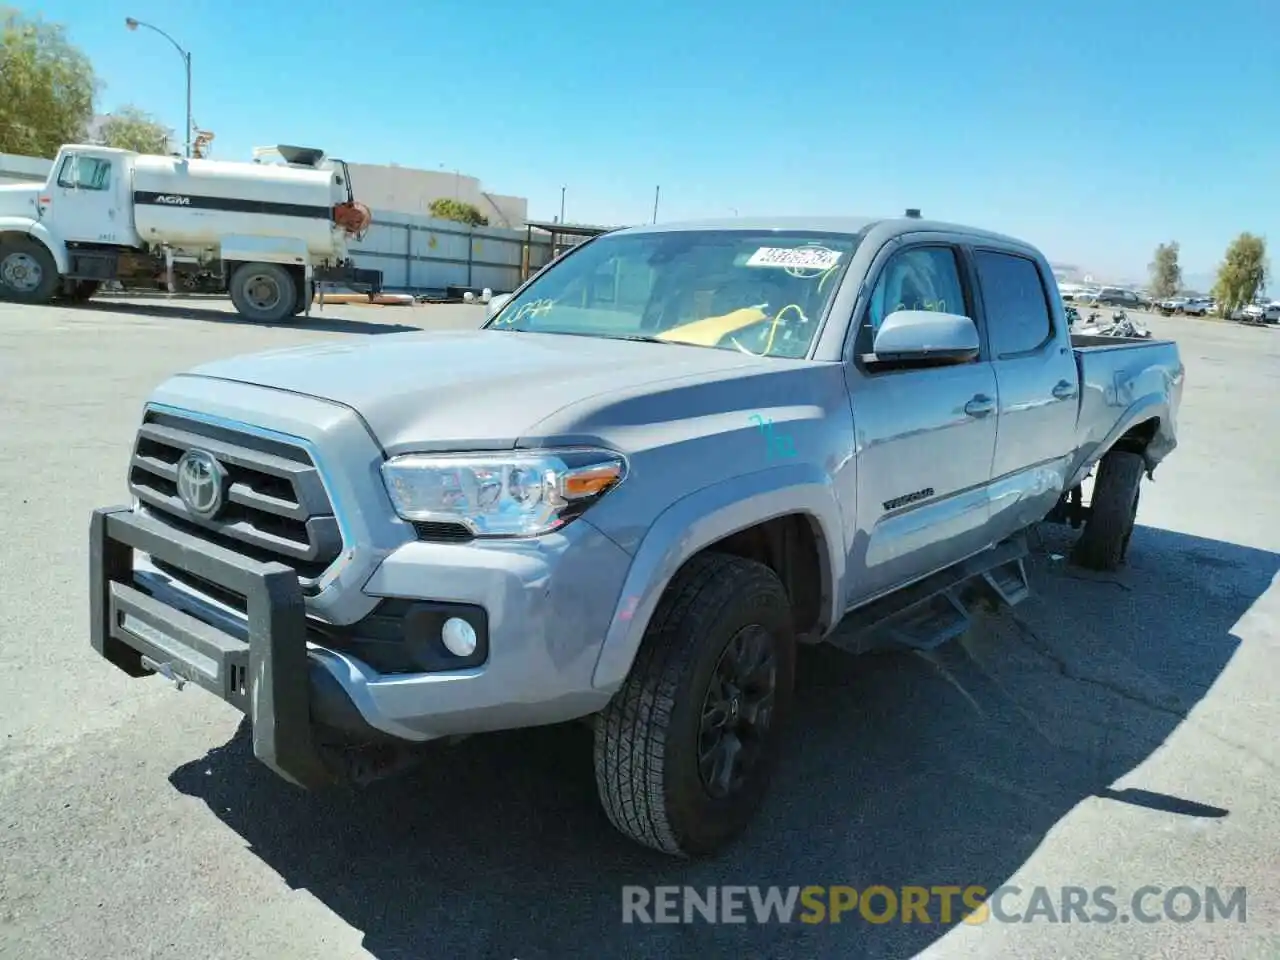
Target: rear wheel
[[1112, 512], [685, 751], [83, 290], [306, 294], [28, 273], [263, 292]]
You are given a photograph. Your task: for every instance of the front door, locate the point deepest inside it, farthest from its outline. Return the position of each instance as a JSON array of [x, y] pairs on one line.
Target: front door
[[87, 195], [925, 437], [1039, 388]]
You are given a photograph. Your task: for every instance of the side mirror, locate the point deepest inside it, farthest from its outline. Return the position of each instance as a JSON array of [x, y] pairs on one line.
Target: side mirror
[[922, 335], [496, 304]]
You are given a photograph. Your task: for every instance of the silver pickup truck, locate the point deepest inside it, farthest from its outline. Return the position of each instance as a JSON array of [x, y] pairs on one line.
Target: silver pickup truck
[[669, 459]]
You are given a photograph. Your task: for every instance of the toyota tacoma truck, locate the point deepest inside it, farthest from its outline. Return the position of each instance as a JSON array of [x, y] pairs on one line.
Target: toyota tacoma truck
[[665, 462]]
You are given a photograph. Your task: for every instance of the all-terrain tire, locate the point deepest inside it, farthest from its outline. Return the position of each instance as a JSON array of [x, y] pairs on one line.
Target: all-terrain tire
[[28, 272], [1113, 510], [647, 741], [263, 292]]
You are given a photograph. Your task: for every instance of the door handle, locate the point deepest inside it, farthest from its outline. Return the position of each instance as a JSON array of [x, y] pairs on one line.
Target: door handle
[[979, 406], [1064, 390]]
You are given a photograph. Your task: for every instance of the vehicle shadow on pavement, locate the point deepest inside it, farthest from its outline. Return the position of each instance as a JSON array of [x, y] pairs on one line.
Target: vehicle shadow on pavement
[[902, 769], [317, 322]]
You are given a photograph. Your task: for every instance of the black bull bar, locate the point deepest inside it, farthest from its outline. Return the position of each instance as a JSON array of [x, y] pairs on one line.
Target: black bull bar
[[266, 678]]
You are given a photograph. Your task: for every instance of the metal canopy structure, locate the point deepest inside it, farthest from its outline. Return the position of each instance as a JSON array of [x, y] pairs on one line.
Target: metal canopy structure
[[563, 236]]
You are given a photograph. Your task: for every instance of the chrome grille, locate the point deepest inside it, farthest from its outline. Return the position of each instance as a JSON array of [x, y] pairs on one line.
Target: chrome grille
[[275, 505]]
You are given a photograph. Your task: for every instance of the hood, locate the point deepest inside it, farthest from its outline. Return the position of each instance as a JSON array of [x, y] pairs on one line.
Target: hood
[[20, 200], [474, 389]]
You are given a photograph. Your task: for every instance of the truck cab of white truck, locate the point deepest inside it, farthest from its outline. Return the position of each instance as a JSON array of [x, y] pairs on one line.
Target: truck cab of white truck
[[266, 234]]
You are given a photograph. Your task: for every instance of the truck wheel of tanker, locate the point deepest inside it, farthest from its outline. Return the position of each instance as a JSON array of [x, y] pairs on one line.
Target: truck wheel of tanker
[[84, 290], [306, 294], [1112, 512], [28, 273], [263, 292], [685, 750]]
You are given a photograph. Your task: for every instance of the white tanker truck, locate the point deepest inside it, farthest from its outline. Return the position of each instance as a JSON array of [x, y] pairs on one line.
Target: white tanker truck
[[264, 233]]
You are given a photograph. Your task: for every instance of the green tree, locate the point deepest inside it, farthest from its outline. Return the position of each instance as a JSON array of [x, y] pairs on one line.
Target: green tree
[[46, 87], [132, 129], [1243, 272], [446, 208], [1166, 272]]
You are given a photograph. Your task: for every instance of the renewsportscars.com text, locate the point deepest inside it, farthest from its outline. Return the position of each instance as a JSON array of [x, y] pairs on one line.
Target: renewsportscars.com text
[[944, 904]]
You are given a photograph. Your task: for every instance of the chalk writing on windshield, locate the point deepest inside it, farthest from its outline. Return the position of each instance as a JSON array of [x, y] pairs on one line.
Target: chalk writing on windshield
[[530, 310]]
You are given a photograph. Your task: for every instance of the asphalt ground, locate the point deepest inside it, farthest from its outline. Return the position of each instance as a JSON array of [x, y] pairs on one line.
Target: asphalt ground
[[1119, 731]]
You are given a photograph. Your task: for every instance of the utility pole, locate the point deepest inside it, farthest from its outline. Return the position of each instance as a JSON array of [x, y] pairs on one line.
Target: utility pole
[[656, 192], [562, 204], [133, 24]]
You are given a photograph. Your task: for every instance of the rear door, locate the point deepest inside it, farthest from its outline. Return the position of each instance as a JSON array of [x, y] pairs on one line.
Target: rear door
[[1038, 386], [924, 437]]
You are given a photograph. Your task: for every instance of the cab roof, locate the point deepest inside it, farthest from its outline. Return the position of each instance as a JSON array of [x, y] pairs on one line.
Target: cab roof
[[849, 226]]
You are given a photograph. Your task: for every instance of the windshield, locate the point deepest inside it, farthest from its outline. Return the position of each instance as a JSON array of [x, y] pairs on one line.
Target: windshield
[[762, 292]]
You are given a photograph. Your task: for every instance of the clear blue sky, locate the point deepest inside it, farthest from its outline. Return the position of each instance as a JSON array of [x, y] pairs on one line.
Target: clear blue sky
[[1094, 129]]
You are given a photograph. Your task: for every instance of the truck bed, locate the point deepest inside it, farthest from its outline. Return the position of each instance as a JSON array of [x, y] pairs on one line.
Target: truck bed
[[1090, 341], [1125, 381]]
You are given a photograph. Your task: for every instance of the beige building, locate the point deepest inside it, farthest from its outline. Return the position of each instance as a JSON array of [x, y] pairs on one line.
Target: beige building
[[396, 189]]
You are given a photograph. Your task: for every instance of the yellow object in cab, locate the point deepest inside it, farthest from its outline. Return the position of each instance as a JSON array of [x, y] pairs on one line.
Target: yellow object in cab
[[709, 331]]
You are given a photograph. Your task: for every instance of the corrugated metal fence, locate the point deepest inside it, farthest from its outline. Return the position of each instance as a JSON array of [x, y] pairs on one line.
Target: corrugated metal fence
[[419, 254]]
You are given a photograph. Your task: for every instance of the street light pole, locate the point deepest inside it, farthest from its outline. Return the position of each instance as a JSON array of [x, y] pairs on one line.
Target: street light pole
[[562, 204], [133, 24]]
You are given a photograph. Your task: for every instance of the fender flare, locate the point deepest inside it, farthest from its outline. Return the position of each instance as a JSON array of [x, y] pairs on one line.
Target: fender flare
[[705, 517], [1148, 407], [38, 231]]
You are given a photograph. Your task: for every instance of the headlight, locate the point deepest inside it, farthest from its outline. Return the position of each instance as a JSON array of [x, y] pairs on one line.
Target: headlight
[[501, 494]]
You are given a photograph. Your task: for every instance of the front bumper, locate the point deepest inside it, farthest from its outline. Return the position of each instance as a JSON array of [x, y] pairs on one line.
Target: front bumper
[[267, 678], [541, 609]]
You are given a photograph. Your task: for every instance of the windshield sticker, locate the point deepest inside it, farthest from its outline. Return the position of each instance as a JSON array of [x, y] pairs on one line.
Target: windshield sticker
[[795, 258]]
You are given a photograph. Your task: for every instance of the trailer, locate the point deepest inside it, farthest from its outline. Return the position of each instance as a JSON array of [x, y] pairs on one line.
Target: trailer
[[266, 234]]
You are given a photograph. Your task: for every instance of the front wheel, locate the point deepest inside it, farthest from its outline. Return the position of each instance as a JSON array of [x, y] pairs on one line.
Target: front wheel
[[28, 273], [263, 292], [685, 751]]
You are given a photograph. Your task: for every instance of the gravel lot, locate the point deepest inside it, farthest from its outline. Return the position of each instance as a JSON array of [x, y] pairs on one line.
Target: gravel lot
[[1119, 731]]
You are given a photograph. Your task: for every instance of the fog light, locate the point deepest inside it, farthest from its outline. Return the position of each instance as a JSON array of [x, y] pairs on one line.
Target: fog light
[[459, 637]]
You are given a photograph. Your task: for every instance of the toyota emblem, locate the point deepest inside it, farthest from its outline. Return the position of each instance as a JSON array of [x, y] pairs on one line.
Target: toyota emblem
[[201, 479]]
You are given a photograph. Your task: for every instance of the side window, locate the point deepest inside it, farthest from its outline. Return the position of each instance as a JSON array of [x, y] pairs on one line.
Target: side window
[[67, 172], [85, 173], [1018, 318], [920, 278]]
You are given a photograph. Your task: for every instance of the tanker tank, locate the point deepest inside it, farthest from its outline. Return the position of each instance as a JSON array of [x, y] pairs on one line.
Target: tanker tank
[[195, 204]]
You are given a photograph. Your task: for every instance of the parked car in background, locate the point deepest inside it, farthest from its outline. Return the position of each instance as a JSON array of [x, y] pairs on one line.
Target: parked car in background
[[1172, 305], [1259, 312], [1115, 297], [1196, 307]]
